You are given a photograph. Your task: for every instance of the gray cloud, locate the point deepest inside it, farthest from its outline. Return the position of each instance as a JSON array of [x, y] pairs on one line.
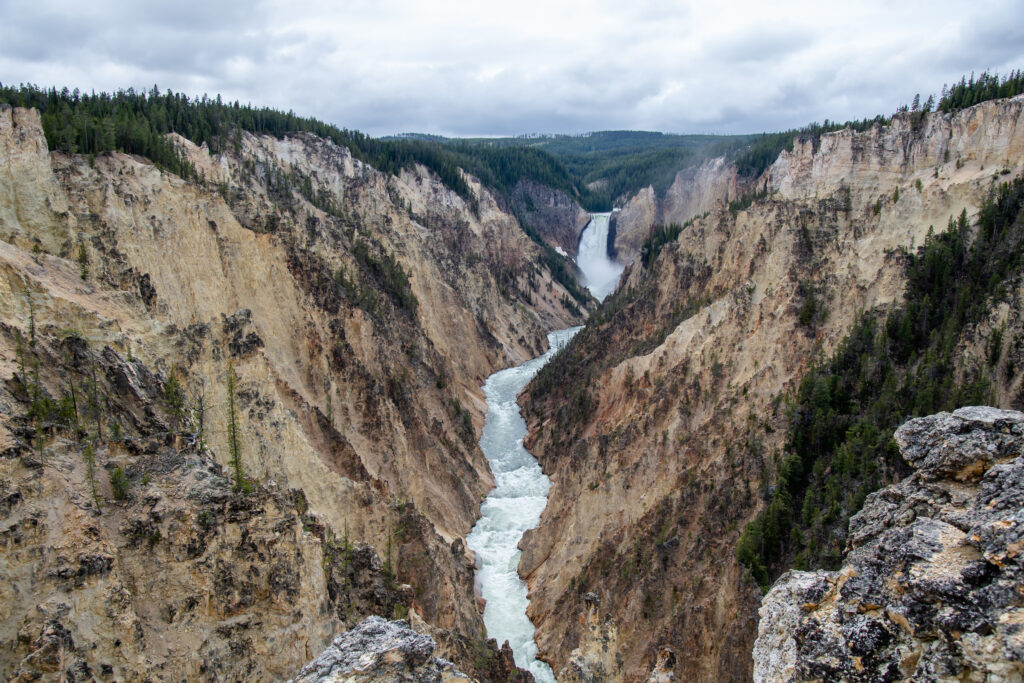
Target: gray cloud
[[470, 68]]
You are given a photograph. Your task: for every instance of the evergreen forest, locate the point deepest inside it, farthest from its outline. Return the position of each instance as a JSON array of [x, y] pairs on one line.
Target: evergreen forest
[[890, 367]]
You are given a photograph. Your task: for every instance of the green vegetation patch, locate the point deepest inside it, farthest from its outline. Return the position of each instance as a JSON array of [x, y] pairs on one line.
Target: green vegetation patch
[[968, 93], [888, 369]]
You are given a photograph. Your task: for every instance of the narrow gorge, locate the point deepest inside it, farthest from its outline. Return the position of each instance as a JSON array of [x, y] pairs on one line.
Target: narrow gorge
[[514, 506], [520, 493], [282, 401], [352, 343]]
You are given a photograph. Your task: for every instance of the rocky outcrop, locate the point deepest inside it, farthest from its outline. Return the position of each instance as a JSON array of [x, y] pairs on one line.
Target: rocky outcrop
[[931, 587], [663, 421], [594, 660], [382, 651], [558, 219]]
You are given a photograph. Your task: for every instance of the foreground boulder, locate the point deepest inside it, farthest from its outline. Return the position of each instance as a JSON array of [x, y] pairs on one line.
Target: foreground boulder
[[379, 650], [932, 588]]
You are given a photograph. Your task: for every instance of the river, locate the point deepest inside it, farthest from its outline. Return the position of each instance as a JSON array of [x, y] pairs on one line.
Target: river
[[515, 504], [521, 488]]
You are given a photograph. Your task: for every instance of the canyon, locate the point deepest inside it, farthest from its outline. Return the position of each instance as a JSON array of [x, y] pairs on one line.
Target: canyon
[[241, 414]]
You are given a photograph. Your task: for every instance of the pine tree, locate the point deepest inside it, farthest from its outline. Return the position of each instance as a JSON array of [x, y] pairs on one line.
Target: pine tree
[[31, 321], [83, 261], [234, 446], [90, 470], [94, 402], [174, 399], [200, 417]]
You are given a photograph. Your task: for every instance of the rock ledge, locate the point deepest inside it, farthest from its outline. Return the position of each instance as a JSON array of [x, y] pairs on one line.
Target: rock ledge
[[379, 650], [932, 588]]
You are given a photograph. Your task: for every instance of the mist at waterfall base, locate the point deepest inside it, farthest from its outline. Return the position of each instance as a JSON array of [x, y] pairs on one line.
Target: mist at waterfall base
[[511, 508], [599, 271]]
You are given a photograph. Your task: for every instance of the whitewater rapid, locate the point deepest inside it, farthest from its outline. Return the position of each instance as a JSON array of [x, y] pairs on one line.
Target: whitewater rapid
[[515, 504], [599, 271]]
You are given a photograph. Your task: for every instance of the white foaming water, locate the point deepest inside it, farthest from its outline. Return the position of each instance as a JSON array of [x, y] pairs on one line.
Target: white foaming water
[[601, 273], [515, 504]]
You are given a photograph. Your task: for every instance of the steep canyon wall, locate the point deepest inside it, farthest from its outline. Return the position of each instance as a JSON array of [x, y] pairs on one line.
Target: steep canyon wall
[[662, 421], [359, 312]]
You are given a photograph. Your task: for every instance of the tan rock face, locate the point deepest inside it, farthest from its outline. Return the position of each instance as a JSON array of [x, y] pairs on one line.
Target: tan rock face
[[552, 213], [660, 422], [958, 146], [869, 164], [360, 314], [695, 191], [146, 563], [633, 223], [30, 197]]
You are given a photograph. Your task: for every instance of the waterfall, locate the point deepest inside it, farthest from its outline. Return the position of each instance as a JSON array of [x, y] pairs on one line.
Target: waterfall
[[520, 494], [600, 273]]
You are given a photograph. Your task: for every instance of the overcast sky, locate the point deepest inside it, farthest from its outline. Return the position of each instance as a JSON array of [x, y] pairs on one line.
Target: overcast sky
[[483, 68]]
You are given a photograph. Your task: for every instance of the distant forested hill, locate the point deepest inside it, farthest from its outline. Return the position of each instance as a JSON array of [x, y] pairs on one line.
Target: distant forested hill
[[608, 165]]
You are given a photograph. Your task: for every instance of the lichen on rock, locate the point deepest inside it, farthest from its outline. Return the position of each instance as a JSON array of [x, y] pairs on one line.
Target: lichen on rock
[[379, 650], [931, 587]]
